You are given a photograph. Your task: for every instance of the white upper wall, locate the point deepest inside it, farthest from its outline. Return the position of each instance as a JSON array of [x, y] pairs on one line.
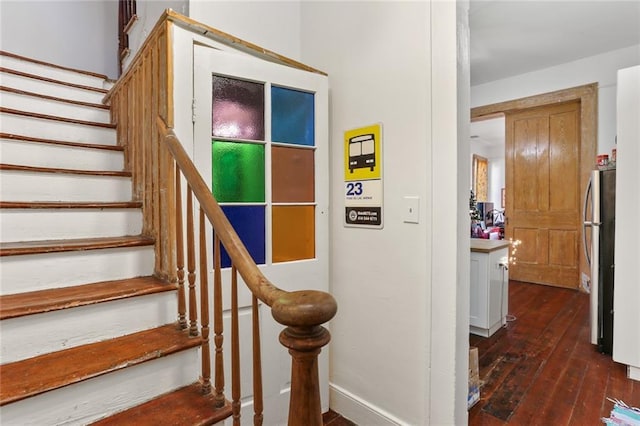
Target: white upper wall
[[274, 25], [381, 353], [51, 31], [380, 278], [600, 68], [379, 59]]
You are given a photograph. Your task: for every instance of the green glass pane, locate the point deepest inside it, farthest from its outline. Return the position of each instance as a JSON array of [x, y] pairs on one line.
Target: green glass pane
[[237, 171]]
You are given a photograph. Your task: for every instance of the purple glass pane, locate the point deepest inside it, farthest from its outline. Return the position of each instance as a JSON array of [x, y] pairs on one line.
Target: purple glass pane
[[238, 109]]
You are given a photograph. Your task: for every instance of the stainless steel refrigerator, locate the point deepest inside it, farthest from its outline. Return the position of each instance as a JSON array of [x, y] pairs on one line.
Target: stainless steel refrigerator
[[599, 218]]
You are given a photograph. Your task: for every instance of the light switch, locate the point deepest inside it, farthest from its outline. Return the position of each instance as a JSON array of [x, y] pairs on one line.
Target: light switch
[[411, 209]]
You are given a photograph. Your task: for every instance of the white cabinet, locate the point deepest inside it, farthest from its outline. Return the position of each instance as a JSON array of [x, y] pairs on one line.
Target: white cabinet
[[489, 286]]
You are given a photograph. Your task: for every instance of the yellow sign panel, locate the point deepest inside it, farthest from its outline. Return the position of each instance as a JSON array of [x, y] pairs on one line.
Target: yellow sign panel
[[363, 153]]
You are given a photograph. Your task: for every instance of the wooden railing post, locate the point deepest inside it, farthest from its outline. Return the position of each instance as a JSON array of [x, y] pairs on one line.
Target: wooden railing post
[[303, 312]]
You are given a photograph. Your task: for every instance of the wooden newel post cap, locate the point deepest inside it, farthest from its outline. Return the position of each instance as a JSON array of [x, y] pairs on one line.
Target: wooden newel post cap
[[304, 308]]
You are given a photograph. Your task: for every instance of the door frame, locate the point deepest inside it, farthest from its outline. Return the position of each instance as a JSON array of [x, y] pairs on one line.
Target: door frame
[[587, 95], [296, 275]]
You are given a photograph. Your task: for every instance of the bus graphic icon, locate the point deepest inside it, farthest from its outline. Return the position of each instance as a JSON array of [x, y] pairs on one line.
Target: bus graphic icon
[[362, 152]]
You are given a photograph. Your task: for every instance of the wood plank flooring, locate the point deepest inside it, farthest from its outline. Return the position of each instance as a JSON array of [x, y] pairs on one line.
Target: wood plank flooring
[[331, 418], [541, 368]]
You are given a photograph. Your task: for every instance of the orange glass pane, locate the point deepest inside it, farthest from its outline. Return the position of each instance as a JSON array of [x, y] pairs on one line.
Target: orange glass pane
[[292, 171], [293, 233]]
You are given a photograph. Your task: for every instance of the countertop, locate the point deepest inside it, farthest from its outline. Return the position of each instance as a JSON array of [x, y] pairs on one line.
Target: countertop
[[487, 246]]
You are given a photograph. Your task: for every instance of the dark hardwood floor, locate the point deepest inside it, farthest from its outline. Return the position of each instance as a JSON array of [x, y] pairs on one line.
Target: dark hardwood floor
[[331, 418], [541, 368]]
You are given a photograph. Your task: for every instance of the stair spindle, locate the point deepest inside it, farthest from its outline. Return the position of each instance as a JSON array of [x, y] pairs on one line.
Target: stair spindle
[[191, 266], [182, 306], [217, 323], [235, 349], [258, 405], [204, 306]]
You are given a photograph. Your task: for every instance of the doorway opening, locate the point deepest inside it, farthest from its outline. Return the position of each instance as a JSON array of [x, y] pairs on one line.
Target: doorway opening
[[586, 99], [487, 142]]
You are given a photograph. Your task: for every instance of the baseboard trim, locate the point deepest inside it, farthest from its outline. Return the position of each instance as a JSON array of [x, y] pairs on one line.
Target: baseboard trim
[[633, 372], [358, 410]]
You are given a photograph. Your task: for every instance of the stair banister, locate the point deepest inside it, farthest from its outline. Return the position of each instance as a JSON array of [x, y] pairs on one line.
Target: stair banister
[[302, 312], [143, 108]]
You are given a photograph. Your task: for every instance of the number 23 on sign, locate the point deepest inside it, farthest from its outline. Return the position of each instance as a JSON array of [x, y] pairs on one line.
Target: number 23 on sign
[[354, 189]]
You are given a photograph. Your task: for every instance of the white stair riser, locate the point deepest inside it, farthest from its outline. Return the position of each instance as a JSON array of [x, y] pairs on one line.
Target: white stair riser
[[54, 224], [102, 396], [25, 153], [55, 270], [33, 335], [32, 186], [51, 72], [50, 89], [57, 130], [51, 107]]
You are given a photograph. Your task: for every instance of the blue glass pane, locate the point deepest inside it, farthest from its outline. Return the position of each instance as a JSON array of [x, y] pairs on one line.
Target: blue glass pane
[[249, 223], [292, 116]]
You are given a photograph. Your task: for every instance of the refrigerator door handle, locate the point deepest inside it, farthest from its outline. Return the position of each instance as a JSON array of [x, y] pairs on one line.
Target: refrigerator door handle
[[585, 222]]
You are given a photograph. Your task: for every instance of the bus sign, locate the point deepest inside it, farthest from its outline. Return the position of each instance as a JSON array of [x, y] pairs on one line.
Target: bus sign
[[363, 177]]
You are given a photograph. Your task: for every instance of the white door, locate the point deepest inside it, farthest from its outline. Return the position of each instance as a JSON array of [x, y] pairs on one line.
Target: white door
[[261, 143]]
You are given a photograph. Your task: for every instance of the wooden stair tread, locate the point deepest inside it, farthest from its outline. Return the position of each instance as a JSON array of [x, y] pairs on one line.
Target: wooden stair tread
[[29, 377], [36, 302], [48, 64], [25, 138], [53, 98], [22, 168], [52, 80], [56, 118], [53, 246], [70, 205], [186, 406]]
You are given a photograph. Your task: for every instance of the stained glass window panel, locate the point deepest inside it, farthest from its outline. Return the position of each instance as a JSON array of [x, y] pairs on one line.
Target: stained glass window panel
[[293, 229], [249, 223], [292, 175], [238, 172], [292, 116], [238, 109]]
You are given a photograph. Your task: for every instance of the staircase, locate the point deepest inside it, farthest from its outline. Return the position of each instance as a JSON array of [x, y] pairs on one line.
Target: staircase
[[88, 333]]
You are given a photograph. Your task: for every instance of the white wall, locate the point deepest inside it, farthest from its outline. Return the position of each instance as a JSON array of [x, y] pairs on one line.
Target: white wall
[[274, 25], [600, 68], [383, 352], [461, 298], [50, 30]]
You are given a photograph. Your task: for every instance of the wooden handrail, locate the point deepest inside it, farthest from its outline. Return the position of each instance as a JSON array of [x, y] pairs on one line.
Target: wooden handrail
[[299, 308], [303, 312]]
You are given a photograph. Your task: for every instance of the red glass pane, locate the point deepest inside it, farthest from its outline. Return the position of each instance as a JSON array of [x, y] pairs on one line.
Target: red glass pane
[[292, 175]]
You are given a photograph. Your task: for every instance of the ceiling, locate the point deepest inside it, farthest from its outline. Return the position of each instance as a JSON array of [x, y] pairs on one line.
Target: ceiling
[[512, 37]]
